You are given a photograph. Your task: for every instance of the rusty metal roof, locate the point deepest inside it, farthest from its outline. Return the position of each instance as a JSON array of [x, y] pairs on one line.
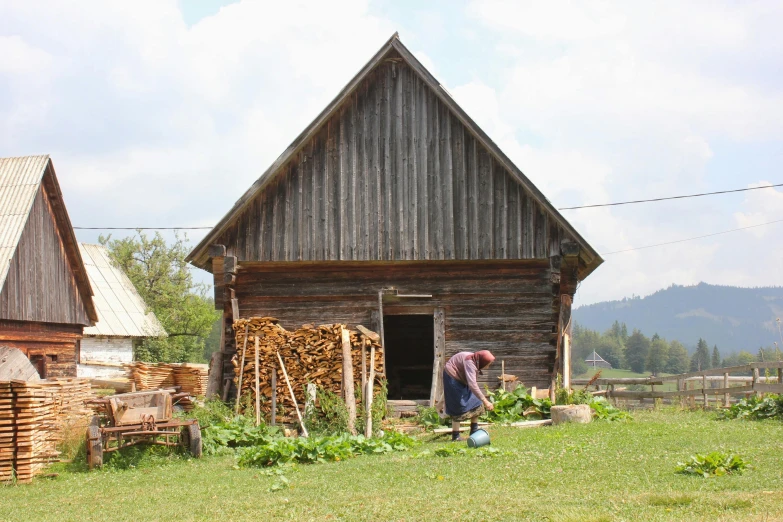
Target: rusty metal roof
[[20, 179], [121, 310]]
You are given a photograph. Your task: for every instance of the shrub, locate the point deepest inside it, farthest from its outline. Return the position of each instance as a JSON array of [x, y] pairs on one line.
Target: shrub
[[516, 405], [430, 418], [755, 408], [713, 464], [322, 449]]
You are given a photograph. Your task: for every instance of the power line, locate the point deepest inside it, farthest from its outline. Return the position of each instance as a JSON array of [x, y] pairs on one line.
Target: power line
[[692, 238], [142, 228], [672, 197]]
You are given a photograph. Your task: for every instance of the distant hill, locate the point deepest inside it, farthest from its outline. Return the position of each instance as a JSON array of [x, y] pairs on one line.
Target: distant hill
[[731, 317]]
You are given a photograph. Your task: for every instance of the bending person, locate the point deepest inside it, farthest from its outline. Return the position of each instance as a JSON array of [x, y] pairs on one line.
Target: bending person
[[463, 396]]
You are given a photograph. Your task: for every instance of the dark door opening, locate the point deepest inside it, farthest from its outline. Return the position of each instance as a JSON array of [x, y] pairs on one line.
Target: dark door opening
[[409, 342]]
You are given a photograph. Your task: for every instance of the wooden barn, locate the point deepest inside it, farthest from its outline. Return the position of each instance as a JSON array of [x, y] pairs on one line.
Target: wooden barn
[[45, 294], [394, 210]]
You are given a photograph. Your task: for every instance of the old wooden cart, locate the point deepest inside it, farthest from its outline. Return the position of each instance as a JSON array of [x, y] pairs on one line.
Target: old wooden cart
[[135, 418]]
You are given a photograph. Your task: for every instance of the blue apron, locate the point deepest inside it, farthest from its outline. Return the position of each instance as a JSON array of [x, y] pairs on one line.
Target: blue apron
[[459, 398]]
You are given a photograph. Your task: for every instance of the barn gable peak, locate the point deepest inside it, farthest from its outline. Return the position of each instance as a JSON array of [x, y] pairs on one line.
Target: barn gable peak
[[394, 169]]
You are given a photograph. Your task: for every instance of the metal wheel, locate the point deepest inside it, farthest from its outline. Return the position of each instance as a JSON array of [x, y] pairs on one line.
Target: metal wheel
[[94, 447], [190, 439]]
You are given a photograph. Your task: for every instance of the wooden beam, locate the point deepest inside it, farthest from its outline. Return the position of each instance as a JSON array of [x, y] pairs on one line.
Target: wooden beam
[[230, 264], [235, 309], [216, 250]]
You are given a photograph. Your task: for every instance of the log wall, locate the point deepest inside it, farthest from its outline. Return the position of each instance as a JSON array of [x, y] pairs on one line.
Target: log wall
[[53, 348], [510, 308]]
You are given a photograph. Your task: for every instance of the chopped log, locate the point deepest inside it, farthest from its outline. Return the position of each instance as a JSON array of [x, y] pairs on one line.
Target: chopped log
[[578, 413], [350, 397]]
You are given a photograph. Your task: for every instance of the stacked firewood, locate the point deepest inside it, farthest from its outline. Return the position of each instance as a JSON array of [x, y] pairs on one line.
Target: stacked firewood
[[310, 354]]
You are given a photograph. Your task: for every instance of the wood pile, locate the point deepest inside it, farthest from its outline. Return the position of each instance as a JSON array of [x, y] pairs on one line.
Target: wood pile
[[190, 378], [34, 418], [310, 354]]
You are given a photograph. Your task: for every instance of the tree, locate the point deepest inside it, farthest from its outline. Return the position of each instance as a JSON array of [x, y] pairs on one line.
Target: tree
[[715, 357], [636, 351], [165, 283], [677, 360], [611, 349], [658, 355], [701, 357]]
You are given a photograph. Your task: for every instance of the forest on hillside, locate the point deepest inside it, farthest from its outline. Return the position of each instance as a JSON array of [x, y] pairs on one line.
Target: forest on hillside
[[735, 319], [641, 354]]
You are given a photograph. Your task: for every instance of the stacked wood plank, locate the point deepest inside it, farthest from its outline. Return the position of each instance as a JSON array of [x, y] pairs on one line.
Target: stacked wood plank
[[152, 376], [34, 418], [310, 354], [190, 378]]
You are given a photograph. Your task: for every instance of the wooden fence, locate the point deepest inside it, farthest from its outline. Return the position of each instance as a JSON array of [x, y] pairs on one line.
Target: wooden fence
[[766, 377]]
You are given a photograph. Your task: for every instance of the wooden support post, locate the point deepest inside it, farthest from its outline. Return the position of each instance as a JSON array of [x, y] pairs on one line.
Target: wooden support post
[[258, 388], [350, 395], [503, 373], [273, 419], [611, 395], [439, 361], [370, 392], [380, 333], [726, 396], [364, 370], [310, 394], [235, 309], [241, 370], [704, 390], [215, 374]]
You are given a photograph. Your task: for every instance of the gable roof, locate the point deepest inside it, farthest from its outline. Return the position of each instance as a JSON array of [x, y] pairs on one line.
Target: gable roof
[[199, 256], [20, 180], [121, 310]]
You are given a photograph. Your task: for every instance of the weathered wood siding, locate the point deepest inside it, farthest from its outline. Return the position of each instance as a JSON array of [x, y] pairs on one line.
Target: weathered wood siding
[[40, 285], [505, 307], [54, 346], [393, 175]]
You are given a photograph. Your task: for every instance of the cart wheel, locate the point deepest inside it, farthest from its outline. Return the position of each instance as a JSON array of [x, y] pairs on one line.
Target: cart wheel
[[190, 438], [94, 447]]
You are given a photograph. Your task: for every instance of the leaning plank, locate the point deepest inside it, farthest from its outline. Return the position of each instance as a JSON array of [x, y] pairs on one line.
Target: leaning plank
[[293, 397], [531, 424], [368, 333]]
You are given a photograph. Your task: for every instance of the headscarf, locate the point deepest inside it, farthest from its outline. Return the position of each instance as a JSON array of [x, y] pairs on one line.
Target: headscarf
[[483, 358]]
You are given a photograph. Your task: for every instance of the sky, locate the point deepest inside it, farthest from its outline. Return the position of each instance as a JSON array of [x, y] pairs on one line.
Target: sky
[[163, 112]]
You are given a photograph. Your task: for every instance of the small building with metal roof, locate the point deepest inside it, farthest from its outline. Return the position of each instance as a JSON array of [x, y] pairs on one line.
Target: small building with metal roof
[[124, 320], [45, 295]]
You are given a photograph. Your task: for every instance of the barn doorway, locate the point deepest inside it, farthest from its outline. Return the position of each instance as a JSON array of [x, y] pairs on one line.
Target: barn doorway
[[409, 342]]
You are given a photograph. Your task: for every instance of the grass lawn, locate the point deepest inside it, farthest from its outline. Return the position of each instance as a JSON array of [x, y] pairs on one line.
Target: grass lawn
[[599, 471]]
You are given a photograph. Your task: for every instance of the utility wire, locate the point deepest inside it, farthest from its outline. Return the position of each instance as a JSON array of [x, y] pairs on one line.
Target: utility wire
[[672, 197], [142, 228], [692, 238]]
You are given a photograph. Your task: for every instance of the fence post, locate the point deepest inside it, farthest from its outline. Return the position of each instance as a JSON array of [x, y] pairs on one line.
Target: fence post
[[611, 394], [755, 378], [680, 389], [726, 397], [704, 391]]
